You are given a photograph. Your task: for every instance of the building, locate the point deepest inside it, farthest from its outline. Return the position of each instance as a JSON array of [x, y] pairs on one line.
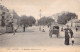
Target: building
[[6, 19], [73, 23]]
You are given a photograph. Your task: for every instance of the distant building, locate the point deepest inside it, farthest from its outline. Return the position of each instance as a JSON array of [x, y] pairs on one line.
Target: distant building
[[73, 23]]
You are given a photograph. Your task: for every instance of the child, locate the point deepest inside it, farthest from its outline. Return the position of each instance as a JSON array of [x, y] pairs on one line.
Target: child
[[72, 39]]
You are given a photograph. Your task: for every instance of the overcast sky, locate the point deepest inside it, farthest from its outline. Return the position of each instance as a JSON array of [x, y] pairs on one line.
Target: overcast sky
[[48, 7]]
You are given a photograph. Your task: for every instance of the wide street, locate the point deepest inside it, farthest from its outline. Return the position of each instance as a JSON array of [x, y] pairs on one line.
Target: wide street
[[33, 38]]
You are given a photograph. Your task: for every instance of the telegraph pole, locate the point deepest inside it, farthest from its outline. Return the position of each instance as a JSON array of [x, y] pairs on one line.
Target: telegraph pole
[[71, 22], [40, 24]]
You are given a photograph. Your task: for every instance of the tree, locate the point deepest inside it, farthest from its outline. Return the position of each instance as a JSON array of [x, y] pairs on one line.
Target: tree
[[26, 21], [49, 21], [31, 20], [45, 21], [42, 21], [65, 17]]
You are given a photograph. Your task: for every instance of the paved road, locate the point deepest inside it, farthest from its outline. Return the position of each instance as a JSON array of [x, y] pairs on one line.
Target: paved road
[[33, 38]]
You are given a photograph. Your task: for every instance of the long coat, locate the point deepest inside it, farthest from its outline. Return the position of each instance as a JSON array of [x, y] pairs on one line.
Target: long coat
[[67, 36]]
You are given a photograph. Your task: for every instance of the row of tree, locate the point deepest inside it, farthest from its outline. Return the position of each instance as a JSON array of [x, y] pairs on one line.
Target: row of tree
[[63, 18], [26, 21], [30, 20]]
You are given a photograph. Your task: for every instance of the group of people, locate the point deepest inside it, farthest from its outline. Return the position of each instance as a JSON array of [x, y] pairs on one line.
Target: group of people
[[68, 36]]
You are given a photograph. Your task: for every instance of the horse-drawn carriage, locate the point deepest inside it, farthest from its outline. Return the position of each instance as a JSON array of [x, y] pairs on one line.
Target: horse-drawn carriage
[[54, 29]]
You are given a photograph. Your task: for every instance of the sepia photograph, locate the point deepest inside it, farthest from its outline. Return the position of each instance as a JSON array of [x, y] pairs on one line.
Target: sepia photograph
[[39, 25]]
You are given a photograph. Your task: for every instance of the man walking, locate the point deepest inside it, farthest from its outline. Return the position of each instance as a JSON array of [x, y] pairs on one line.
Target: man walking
[[71, 33]]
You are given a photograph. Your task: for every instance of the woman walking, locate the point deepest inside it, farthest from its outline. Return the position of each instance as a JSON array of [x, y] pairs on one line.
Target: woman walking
[[67, 31], [67, 37]]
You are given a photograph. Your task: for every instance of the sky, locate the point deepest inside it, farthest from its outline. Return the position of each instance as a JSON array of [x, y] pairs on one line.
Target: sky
[[48, 7]]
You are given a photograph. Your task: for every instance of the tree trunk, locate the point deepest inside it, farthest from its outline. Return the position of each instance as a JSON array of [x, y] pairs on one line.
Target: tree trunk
[[24, 28]]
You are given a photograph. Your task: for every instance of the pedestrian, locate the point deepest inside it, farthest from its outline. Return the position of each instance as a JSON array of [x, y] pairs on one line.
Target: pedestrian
[[50, 32], [43, 29], [71, 33], [67, 36], [24, 28], [62, 29], [14, 30], [76, 29], [72, 39]]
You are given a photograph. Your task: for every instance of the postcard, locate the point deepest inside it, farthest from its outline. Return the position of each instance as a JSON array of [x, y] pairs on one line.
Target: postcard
[[39, 25]]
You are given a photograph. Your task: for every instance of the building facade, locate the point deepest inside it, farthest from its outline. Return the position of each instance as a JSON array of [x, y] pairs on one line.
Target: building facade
[[6, 19]]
